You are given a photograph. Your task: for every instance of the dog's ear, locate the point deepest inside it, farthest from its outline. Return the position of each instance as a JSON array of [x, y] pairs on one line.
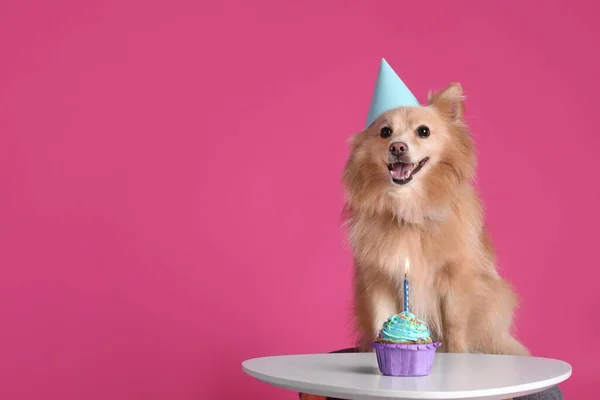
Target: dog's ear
[[356, 139], [450, 101]]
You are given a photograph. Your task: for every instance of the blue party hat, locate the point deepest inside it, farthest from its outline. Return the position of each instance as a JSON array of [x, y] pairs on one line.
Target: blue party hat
[[390, 92]]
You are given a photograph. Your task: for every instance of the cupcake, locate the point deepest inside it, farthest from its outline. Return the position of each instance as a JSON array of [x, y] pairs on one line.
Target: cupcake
[[404, 346]]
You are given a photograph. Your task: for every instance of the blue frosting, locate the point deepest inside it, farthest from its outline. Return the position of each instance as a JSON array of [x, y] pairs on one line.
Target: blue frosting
[[404, 327]]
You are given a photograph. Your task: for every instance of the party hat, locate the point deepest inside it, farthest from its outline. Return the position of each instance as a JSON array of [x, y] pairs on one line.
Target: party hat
[[390, 92]]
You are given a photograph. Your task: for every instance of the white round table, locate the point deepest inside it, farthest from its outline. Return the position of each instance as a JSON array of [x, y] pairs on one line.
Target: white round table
[[355, 376]]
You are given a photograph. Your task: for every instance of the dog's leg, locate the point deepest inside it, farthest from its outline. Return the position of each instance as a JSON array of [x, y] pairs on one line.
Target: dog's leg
[[503, 341], [455, 310], [512, 346], [493, 321], [494, 341], [495, 338], [374, 303], [384, 305]]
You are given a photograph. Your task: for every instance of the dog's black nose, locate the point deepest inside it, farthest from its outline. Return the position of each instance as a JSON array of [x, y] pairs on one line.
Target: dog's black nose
[[398, 148]]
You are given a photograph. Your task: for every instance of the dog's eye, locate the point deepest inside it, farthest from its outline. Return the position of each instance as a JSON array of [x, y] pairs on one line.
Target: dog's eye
[[386, 132], [423, 131]]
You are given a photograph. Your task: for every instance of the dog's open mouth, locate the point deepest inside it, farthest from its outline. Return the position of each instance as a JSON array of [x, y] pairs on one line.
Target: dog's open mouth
[[403, 173]]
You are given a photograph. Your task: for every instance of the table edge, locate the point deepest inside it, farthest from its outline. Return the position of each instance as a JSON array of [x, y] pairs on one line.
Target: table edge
[[336, 391]]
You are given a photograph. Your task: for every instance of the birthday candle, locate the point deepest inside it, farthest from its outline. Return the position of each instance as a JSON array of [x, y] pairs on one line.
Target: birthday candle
[[406, 268]]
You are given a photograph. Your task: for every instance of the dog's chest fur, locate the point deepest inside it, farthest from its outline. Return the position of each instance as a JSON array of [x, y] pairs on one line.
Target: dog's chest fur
[[381, 246]]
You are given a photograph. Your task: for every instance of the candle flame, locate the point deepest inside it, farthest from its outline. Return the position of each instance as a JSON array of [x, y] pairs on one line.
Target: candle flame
[[406, 266]]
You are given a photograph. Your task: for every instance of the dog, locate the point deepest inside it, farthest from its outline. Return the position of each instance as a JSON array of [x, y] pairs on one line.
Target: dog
[[409, 195]]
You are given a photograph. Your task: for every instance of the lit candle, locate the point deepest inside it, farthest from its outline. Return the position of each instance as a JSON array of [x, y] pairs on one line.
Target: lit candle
[[406, 268]]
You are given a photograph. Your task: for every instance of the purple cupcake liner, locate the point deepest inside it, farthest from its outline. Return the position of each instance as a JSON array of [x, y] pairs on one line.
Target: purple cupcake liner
[[405, 359]]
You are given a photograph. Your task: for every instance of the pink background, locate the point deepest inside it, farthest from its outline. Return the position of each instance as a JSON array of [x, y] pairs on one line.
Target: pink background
[[169, 176]]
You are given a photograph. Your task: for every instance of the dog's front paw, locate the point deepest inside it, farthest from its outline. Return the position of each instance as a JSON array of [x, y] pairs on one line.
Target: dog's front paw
[[456, 345]]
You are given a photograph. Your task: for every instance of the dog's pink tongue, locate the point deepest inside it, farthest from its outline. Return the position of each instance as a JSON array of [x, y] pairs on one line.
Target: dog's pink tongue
[[401, 171]]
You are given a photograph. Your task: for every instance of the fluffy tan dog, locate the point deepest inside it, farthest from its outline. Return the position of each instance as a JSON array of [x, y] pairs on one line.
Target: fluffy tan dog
[[409, 194]]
